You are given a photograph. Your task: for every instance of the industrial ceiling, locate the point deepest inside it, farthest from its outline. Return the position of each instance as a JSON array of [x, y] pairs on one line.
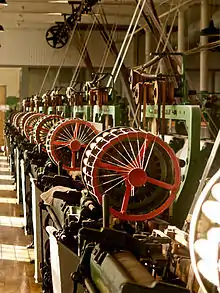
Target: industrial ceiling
[[40, 14]]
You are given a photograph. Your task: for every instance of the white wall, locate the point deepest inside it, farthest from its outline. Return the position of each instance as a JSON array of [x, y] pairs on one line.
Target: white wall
[[193, 65], [11, 78], [20, 47]]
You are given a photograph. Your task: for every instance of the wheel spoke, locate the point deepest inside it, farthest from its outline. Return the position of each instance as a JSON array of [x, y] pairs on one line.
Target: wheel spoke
[[141, 153], [159, 183], [44, 129], [63, 143], [75, 132], [134, 161], [112, 167], [126, 198]]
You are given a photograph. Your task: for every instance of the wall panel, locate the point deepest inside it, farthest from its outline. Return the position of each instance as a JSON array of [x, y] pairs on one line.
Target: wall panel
[[20, 47]]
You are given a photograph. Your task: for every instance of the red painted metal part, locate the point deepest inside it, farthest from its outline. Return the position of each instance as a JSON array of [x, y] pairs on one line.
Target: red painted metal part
[[43, 127], [17, 119], [30, 122], [12, 115], [74, 135], [134, 174], [24, 119]]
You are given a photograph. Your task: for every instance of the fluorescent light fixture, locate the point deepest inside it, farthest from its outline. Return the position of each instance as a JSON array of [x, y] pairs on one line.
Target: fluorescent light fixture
[[59, 1], [55, 13], [3, 3]]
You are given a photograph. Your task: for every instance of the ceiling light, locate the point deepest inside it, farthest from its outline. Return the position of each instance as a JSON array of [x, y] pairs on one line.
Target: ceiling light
[[1, 28], [59, 1], [55, 13], [3, 3]]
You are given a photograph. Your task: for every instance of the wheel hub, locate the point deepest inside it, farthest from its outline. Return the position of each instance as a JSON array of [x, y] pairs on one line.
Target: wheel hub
[[75, 145], [137, 177]]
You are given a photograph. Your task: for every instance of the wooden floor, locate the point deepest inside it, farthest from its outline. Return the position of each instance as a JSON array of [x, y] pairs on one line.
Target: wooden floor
[[16, 269]]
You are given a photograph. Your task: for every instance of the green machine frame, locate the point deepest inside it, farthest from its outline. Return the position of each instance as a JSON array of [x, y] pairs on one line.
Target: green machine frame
[[84, 111], [191, 115], [110, 110]]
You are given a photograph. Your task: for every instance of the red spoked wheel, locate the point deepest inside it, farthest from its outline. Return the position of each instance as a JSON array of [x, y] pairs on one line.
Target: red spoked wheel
[[23, 120], [11, 116], [17, 118], [30, 122], [138, 171], [42, 127], [67, 140]]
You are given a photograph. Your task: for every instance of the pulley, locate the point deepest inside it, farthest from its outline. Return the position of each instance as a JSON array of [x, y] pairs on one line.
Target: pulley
[[137, 170], [42, 127], [57, 36], [29, 124], [67, 140]]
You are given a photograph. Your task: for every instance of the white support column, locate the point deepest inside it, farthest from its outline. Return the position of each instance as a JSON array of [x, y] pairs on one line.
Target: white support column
[[181, 30], [204, 78], [181, 34], [148, 44]]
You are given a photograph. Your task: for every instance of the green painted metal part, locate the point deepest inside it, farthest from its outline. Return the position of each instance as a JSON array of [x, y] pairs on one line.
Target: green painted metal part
[[191, 115], [63, 111], [41, 109], [84, 112], [50, 111], [111, 110]]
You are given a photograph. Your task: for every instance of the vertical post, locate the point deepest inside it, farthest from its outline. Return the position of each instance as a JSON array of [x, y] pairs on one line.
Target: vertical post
[[148, 44], [204, 41], [106, 210], [181, 30], [181, 49], [181, 34]]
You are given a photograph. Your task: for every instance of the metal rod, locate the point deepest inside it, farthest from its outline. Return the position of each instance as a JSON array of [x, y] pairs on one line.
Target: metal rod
[[123, 44], [128, 42], [89, 286], [106, 210], [82, 53], [204, 78], [166, 13], [46, 74]]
